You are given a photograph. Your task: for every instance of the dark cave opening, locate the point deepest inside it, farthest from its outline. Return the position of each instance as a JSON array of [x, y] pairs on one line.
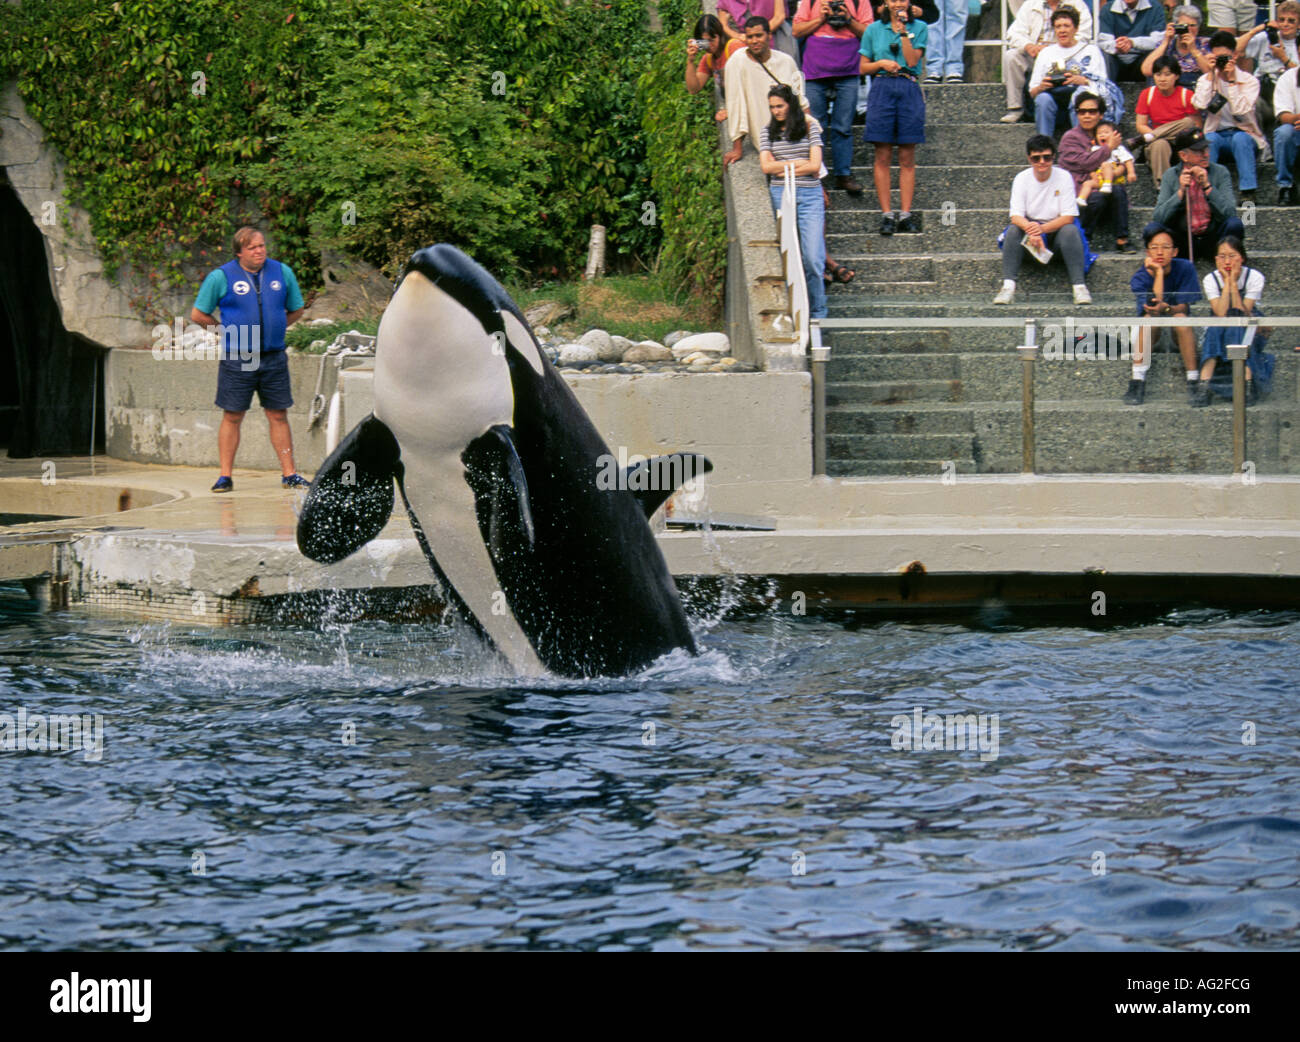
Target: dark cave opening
[[51, 380]]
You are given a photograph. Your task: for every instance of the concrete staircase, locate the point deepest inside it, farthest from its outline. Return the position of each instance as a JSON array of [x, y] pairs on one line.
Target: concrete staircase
[[928, 401]]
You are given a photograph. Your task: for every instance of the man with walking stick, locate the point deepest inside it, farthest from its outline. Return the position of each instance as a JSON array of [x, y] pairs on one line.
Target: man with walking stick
[[1196, 201]]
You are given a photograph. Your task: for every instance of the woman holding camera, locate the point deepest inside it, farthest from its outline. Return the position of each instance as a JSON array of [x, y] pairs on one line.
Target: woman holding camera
[[832, 30], [703, 62], [1183, 41], [791, 139]]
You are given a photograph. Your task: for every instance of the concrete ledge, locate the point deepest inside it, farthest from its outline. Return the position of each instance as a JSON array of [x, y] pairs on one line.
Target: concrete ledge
[[754, 426], [197, 557]]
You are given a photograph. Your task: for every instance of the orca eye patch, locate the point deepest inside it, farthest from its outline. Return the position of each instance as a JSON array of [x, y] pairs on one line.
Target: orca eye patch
[[521, 339]]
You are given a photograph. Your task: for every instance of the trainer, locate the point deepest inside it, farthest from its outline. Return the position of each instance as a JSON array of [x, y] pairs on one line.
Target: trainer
[[262, 294]]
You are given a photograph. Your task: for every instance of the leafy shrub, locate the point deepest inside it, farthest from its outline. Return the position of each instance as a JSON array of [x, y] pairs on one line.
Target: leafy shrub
[[505, 126]]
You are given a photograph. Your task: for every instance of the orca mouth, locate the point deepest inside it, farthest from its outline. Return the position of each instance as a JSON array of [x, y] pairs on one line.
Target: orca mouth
[[465, 281]]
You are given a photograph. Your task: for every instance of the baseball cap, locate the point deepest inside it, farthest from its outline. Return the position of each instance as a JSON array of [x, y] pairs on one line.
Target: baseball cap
[[1191, 139]]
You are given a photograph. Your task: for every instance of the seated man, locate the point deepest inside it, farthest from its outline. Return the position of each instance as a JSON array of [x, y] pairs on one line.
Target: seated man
[[1043, 212], [1128, 31], [1267, 60], [1227, 96], [1165, 285], [1163, 112], [1063, 67], [1199, 188], [1285, 138], [1026, 36]]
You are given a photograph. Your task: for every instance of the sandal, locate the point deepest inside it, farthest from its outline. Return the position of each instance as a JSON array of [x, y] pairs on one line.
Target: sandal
[[840, 273]]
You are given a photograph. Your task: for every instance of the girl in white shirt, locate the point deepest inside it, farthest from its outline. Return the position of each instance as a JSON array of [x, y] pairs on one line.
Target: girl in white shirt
[[1233, 288]]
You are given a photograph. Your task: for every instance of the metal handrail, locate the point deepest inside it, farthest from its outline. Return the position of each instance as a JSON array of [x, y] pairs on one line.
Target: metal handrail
[[1030, 353], [787, 225]]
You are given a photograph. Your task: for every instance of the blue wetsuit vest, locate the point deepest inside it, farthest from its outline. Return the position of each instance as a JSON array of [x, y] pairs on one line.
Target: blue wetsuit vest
[[238, 309]]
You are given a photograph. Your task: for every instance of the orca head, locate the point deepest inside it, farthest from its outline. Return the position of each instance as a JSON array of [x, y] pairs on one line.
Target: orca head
[[471, 286]]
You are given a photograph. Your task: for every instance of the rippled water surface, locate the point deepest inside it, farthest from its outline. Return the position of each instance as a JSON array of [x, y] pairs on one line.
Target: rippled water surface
[[766, 806]]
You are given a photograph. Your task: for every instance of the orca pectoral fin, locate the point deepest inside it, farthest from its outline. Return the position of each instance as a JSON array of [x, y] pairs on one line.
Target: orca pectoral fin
[[351, 496], [652, 481], [496, 476]]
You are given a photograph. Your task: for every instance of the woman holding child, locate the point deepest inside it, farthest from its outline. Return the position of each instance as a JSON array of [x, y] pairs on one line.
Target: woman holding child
[[1095, 157]]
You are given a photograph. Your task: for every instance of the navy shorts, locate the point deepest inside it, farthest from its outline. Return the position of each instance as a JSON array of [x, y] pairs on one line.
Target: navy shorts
[[270, 379], [895, 112]]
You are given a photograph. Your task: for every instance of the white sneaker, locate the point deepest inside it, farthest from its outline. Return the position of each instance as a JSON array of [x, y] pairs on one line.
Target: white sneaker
[[1005, 295], [1013, 115], [1106, 188], [1081, 294]]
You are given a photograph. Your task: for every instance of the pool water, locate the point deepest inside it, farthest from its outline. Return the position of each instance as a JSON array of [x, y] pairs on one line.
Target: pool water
[[375, 785]]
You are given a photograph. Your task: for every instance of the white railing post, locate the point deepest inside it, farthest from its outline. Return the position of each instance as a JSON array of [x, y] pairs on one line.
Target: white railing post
[[788, 230]]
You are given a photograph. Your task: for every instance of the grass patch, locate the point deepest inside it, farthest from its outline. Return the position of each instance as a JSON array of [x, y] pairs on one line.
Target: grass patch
[[639, 307]]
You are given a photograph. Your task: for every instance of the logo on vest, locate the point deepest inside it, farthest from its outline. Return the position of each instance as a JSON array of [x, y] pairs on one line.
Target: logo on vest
[[241, 287], [275, 284]]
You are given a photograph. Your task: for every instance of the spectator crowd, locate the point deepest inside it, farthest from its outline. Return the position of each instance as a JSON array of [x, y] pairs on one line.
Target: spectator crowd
[[793, 78]]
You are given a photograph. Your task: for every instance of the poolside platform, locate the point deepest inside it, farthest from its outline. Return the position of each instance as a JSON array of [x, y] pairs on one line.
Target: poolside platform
[[146, 541]]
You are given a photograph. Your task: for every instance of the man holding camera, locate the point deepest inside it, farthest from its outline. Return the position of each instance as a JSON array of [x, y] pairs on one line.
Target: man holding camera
[[833, 29], [1129, 30], [1227, 96]]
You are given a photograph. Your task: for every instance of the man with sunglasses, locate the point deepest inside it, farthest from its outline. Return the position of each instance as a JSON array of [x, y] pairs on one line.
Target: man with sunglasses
[[1043, 212]]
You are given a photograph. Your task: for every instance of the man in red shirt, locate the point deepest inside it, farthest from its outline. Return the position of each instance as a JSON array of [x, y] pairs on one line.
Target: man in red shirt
[[1163, 112]]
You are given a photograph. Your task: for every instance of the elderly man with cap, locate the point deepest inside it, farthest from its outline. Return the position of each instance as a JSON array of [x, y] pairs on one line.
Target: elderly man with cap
[[1196, 196]]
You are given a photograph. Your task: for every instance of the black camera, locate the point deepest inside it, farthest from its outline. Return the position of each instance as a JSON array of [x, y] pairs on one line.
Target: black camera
[[1153, 301], [1182, 29], [1271, 32], [839, 17], [1056, 77], [1221, 60]]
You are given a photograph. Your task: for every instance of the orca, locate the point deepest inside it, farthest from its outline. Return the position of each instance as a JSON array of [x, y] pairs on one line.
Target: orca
[[506, 483]]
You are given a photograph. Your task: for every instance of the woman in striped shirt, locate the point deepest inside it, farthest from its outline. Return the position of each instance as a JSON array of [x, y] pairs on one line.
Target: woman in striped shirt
[[794, 138]]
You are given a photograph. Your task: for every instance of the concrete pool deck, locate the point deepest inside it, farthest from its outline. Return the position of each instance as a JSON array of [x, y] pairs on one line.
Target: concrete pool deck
[[153, 541]]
